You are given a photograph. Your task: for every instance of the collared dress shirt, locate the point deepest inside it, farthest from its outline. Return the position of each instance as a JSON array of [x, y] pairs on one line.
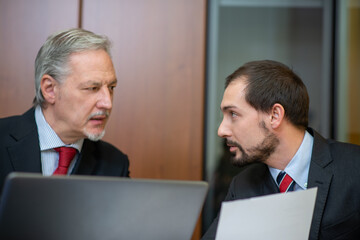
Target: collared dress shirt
[[48, 141], [298, 167]]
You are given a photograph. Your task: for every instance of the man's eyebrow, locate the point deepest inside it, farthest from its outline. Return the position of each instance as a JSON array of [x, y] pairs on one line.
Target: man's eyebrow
[[113, 82], [224, 108], [97, 83], [90, 82]]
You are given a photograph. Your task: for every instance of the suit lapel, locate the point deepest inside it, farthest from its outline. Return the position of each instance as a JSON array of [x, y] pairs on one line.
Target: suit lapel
[[87, 159], [320, 177], [25, 151], [270, 186], [266, 181], [260, 181]]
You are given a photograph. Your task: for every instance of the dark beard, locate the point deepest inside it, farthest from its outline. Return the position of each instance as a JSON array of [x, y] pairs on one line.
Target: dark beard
[[259, 153]]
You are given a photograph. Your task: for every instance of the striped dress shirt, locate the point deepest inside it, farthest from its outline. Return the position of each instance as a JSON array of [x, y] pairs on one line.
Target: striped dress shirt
[[49, 140]]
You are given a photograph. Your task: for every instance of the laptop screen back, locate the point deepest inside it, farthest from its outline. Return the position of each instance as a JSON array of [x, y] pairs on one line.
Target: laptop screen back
[[78, 207]]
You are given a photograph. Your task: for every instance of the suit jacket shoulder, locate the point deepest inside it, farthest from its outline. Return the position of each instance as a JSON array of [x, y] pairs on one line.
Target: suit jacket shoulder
[[19, 145], [14, 128]]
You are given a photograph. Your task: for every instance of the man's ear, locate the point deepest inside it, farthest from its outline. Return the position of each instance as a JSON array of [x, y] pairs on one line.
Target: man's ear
[[48, 88], [277, 115]]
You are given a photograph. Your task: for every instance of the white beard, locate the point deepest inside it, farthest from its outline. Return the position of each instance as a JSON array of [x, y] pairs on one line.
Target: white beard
[[94, 137]]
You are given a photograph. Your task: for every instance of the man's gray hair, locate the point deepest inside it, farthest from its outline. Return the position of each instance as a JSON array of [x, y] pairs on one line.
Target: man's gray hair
[[53, 56]]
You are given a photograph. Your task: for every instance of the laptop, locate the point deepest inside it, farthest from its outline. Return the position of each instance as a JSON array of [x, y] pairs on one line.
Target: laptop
[[90, 207]]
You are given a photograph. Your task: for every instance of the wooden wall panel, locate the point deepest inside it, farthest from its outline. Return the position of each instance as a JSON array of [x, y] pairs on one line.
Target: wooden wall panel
[[24, 26], [354, 74], [159, 55]]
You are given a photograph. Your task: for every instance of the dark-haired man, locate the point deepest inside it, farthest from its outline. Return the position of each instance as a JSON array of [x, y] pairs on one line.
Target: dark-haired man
[[265, 123]]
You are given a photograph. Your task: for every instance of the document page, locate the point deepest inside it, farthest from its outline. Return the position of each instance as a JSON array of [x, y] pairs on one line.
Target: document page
[[278, 216]]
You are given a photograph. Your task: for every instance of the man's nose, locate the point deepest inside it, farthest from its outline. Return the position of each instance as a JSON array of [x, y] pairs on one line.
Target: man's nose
[[223, 130], [105, 99]]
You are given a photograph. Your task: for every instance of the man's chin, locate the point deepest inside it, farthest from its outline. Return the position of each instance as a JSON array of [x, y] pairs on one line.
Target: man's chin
[[239, 160], [239, 163], [94, 136]]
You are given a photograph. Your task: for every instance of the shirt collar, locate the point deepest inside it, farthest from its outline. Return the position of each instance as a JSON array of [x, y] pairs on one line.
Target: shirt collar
[[47, 136], [298, 167]]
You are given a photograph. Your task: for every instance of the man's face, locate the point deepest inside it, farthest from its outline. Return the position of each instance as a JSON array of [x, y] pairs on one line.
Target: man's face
[[83, 101], [244, 128]]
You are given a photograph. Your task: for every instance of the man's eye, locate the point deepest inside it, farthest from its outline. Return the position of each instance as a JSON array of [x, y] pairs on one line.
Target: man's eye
[[112, 88], [233, 114], [93, 88]]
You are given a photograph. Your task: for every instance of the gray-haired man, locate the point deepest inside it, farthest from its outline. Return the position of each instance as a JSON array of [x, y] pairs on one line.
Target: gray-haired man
[[74, 81]]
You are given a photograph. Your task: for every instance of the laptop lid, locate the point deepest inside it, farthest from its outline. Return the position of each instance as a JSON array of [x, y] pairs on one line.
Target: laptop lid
[[89, 207]]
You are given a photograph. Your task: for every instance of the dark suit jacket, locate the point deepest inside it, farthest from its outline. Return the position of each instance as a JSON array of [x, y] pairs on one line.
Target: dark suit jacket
[[334, 169], [20, 151]]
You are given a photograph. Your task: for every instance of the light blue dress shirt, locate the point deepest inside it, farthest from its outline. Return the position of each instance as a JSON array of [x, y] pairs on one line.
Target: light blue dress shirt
[[49, 140], [298, 167]]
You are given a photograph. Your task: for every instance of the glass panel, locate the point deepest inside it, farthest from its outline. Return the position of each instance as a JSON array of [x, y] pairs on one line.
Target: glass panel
[[295, 32]]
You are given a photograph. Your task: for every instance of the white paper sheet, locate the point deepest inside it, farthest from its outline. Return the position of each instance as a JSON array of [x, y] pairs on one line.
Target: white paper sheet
[[278, 216]]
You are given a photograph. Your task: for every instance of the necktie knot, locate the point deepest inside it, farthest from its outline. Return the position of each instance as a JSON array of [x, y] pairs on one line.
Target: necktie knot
[[285, 182], [66, 154]]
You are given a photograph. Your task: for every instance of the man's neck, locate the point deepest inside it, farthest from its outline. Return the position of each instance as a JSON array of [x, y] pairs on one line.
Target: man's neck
[[290, 140], [58, 127]]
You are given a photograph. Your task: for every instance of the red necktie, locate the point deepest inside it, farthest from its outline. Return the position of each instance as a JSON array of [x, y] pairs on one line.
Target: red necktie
[[66, 154], [285, 182]]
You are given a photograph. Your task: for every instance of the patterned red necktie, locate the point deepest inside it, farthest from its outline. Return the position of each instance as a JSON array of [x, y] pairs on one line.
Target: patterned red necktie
[[66, 154], [285, 182]]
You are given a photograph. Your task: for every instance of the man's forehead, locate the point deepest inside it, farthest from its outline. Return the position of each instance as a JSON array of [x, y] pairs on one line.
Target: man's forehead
[[235, 89], [241, 80], [234, 95]]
